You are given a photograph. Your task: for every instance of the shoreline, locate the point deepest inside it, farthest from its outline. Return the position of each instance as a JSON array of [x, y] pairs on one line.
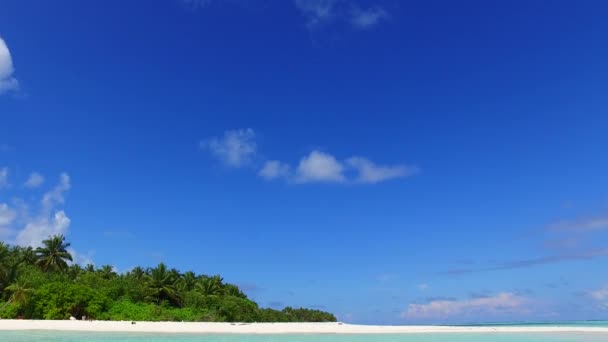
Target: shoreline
[[273, 328]]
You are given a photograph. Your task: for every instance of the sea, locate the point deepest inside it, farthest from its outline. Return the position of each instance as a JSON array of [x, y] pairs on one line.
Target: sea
[[55, 336]]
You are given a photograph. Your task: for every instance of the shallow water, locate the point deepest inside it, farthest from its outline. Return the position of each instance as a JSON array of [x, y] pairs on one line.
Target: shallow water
[[51, 336]]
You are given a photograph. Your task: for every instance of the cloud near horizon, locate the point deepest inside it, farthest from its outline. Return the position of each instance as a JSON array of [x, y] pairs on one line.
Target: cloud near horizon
[[599, 296], [49, 221], [524, 263], [7, 81], [563, 241], [26, 223], [504, 303]]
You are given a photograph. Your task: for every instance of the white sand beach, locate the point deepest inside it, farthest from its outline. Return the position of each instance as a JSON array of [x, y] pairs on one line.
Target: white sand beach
[[274, 328]]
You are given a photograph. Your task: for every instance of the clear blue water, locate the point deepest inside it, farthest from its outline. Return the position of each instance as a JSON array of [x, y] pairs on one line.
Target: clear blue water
[[542, 324], [48, 336]]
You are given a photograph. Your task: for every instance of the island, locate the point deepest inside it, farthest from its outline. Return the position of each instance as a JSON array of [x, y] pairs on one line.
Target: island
[[44, 284]]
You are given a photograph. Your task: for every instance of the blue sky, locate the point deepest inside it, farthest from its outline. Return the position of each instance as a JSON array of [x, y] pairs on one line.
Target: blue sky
[[393, 162]]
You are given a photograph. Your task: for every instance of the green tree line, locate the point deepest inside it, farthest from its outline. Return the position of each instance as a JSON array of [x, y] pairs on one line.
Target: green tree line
[[43, 283]]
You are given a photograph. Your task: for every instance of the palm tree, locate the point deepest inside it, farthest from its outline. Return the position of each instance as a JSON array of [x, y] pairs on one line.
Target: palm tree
[[137, 273], [90, 268], [161, 285], [9, 265], [74, 271], [20, 292], [188, 281], [4, 262], [233, 290], [211, 286], [28, 256], [107, 272], [53, 256]]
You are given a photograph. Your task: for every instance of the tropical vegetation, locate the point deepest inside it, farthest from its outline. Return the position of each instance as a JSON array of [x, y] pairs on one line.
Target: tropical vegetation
[[44, 283]]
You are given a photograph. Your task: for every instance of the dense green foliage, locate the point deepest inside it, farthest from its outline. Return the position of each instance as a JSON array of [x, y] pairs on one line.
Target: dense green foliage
[[41, 284]]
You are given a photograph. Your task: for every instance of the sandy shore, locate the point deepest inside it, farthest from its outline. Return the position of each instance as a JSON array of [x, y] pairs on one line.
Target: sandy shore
[[271, 328]]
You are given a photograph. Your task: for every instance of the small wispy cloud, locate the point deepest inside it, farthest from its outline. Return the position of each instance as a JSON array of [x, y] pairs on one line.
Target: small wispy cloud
[[7, 80], [599, 297], [320, 13], [561, 241], [274, 169], [581, 225], [7, 215], [364, 19], [35, 180], [423, 287], [3, 177], [196, 3], [368, 172], [600, 294], [531, 262], [316, 12], [235, 148], [499, 304]]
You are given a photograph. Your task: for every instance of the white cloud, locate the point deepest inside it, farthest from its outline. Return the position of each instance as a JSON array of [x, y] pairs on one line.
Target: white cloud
[[368, 172], [21, 227], [55, 196], [366, 19], [235, 148], [3, 177], [81, 259], [25, 229], [35, 180], [274, 169], [319, 167], [502, 303], [7, 81], [323, 167], [41, 228]]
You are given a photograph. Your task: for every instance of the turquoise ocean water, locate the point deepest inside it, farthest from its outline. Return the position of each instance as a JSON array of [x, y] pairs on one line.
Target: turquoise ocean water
[[46, 336], [52, 336]]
